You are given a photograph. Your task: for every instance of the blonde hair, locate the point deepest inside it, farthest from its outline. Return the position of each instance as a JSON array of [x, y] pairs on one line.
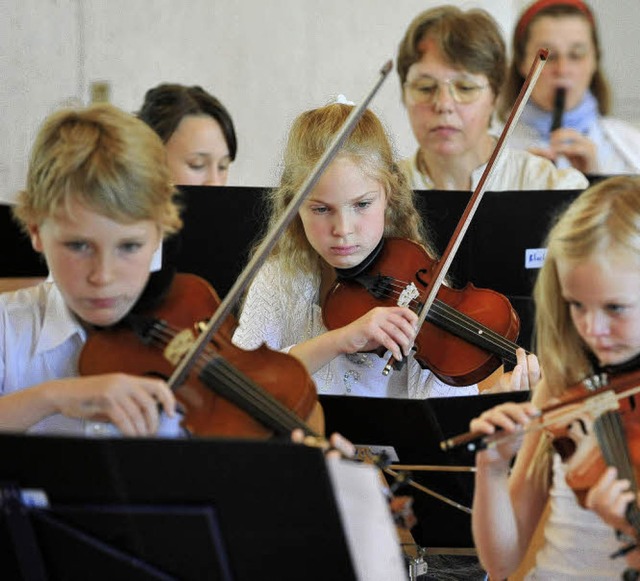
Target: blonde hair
[[604, 218], [105, 159], [368, 146]]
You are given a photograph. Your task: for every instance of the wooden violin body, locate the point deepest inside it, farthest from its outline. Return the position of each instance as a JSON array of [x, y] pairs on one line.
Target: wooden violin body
[[468, 333], [604, 432], [229, 388]]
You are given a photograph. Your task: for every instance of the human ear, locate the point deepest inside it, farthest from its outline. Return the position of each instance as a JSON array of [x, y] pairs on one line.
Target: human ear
[[36, 240]]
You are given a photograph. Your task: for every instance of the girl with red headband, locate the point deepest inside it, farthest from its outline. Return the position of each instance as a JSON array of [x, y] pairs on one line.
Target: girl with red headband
[[578, 132]]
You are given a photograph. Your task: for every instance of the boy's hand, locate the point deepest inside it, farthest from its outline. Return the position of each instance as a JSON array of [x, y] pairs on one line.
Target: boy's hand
[[131, 403]]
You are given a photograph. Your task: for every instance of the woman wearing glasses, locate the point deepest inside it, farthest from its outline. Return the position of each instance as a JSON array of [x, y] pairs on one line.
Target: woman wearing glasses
[[452, 65]]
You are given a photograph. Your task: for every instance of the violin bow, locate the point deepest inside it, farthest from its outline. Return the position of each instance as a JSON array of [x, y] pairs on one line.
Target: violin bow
[[442, 266], [182, 370], [602, 396]]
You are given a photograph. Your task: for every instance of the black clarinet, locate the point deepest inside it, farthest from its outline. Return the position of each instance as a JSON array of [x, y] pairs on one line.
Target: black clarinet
[[558, 108]]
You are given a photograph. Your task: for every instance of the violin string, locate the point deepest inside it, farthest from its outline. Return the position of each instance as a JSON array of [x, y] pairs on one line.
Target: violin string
[[615, 450], [564, 412], [610, 435], [464, 321], [230, 374], [162, 334], [284, 418], [456, 317]]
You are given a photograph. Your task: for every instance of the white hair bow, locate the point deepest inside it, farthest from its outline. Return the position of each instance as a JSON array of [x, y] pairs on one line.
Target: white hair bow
[[343, 100]]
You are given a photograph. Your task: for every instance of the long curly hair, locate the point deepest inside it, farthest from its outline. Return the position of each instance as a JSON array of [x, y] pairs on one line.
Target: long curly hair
[[368, 146]]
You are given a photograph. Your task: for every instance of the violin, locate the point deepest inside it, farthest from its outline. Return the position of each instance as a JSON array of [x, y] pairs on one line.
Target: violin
[[230, 392], [607, 435], [273, 394], [469, 333], [601, 405], [455, 361]]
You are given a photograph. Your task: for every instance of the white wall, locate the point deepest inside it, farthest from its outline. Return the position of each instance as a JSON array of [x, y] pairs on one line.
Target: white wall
[[267, 60]]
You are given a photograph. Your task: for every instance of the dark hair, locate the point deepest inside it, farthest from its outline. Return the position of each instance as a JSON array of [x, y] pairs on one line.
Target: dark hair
[[599, 85], [167, 104], [471, 40]]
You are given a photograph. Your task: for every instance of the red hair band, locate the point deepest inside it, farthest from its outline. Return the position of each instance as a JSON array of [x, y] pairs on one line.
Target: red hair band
[[536, 7]]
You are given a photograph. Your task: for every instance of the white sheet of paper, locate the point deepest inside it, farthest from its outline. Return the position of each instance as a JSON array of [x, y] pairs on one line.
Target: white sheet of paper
[[366, 519]]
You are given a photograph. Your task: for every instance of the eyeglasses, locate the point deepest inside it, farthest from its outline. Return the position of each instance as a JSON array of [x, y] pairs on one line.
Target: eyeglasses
[[424, 91]]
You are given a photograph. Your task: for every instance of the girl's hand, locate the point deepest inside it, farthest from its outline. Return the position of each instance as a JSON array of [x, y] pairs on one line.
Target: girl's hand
[[581, 152], [609, 498], [390, 327], [511, 418], [130, 403], [523, 376]]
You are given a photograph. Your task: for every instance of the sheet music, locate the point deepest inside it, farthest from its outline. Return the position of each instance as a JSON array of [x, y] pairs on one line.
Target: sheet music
[[366, 519]]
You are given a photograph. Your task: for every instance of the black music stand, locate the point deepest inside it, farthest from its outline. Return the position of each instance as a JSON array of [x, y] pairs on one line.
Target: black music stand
[[168, 509], [18, 258], [221, 223], [508, 228], [412, 430]]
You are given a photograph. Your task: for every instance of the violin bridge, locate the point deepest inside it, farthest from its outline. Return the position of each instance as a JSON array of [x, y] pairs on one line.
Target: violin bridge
[[409, 293], [178, 346], [601, 403]]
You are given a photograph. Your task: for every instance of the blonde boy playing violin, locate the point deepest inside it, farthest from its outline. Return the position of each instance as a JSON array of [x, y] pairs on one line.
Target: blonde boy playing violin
[[97, 205]]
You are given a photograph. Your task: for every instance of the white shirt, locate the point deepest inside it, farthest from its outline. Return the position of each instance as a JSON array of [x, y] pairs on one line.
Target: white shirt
[[41, 340], [281, 313], [617, 143], [577, 543], [515, 170]]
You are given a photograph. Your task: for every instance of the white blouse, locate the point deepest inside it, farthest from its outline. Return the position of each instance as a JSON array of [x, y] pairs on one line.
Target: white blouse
[[280, 313], [577, 543]]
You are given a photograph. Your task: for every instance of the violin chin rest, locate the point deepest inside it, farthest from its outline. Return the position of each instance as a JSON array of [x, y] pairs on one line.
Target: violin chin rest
[[350, 273]]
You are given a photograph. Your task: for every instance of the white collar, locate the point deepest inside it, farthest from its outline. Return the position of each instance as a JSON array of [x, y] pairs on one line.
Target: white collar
[[59, 323]]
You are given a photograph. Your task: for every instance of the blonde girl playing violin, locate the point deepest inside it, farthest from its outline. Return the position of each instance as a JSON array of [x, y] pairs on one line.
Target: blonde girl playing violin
[[97, 204], [360, 198], [588, 320]]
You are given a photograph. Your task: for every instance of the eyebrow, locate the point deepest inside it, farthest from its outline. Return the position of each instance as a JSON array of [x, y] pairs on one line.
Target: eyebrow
[[462, 75], [356, 199], [578, 44]]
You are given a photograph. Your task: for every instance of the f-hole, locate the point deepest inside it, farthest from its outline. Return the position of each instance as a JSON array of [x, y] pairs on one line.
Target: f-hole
[[632, 402], [422, 271]]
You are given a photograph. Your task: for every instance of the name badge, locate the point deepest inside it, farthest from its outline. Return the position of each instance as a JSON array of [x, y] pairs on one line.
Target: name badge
[[534, 257]]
